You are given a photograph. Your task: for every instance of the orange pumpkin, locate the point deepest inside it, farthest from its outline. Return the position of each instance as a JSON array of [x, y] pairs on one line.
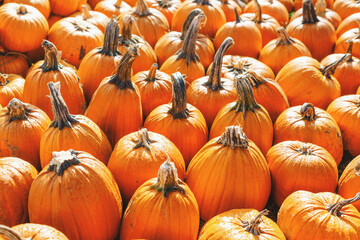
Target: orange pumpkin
[[348, 24], [273, 8], [310, 124], [358, 91], [93, 17], [345, 111], [75, 183], [100, 62], [289, 4], [210, 93], [65, 7], [351, 35], [346, 7], [167, 7], [241, 224], [296, 165], [14, 63], [50, 69], [172, 41], [299, 3], [162, 208], [16, 176], [335, 217], [53, 19], [32, 231], [155, 88], [93, 3], [229, 6], [277, 53], [316, 33], [19, 22], [213, 174], [179, 121], [11, 86], [112, 7], [253, 118], [21, 128], [119, 101], [42, 5]]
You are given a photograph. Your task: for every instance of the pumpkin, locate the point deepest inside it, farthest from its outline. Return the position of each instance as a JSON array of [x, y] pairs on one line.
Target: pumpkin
[[21, 128], [11, 86], [179, 121], [93, 3], [269, 94], [98, 19], [14, 63], [65, 7], [71, 131], [346, 7], [16, 176], [299, 3], [213, 174], [112, 7], [348, 24], [53, 19], [289, 4], [153, 83], [253, 118], [100, 62], [280, 51], [172, 41], [137, 157], [147, 55], [19, 22], [215, 16], [186, 59], [335, 217], [265, 23], [310, 124], [167, 7], [351, 35], [36, 54], [316, 33], [241, 224], [81, 37], [347, 73], [162, 208], [273, 8], [246, 35], [151, 24], [358, 91], [296, 165], [31, 231], [210, 93], [229, 6], [119, 101], [50, 69], [42, 5], [345, 111], [306, 75], [71, 185]]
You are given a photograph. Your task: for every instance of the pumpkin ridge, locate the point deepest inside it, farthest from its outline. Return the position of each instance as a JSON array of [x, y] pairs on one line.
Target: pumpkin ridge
[[111, 38], [62, 160], [52, 57], [335, 208], [17, 110]]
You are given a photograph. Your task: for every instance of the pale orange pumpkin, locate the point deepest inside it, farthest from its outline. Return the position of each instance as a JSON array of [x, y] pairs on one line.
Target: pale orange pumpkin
[[11, 86], [112, 7], [272, 7]]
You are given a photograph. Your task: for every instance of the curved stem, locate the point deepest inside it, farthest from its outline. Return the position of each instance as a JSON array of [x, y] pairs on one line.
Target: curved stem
[[143, 140], [329, 70], [62, 160], [214, 81], [335, 208], [179, 103], [62, 117], [17, 110], [350, 48], [237, 17], [151, 77], [4, 79], [234, 137], [141, 8], [111, 38], [284, 38], [252, 226], [258, 16], [167, 179], [118, 3], [254, 79], [22, 10], [10, 233], [309, 14], [52, 59], [320, 7], [307, 111], [188, 21], [85, 12]]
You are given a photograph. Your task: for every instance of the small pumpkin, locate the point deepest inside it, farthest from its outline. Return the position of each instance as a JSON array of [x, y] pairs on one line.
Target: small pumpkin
[[310, 124], [273, 8], [16, 176], [112, 7], [348, 24], [11, 86], [42, 5], [98, 19], [346, 7], [31, 231], [65, 7], [351, 35], [14, 63]]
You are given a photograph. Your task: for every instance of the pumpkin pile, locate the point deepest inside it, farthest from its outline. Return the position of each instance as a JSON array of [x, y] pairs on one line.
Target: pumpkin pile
[[179, 119]]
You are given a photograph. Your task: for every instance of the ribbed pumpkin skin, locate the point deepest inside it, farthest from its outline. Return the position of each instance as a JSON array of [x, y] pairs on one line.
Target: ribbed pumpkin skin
[[298, 4], [65, 7], [228, 226], [42, 5], [15, 27], [341, 44], [274, 8], [296, 165], [39, 232], [296, 218], [347, 24], [346, 7], [53, 19], [16, 176], [12, 88], [345, 111], [11, 63], [323, 131], [87, 188], [222, 178]]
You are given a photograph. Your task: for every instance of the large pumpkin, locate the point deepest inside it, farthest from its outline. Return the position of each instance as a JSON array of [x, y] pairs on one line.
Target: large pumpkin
[[11, 86], [229, 172], [76, 186], [31, 231], [42, 5], [93, 17]]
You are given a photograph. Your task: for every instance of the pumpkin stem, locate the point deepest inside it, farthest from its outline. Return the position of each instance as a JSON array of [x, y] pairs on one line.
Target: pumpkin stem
[[142, 9], [284, 38], [85, 12], [10, 233], [307, 111], [335, 208], [246, 100], [214, 81], [252, 226], [126, 29], [237, 17], [62, 117], [350, 48], [165, 3], [320, 7], [22, 10], [179, 104], [233, 137], [151, 77], [357, 169], [17, 110], [118, 3], [52, 57], [255, 80], [203, 2], [309, 13], [111, 38], [4, 79], [122, 77], [188, 21], [143, 140], [258, 15], [329, 70], [62, 160], [167, 179], [304, 149]]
